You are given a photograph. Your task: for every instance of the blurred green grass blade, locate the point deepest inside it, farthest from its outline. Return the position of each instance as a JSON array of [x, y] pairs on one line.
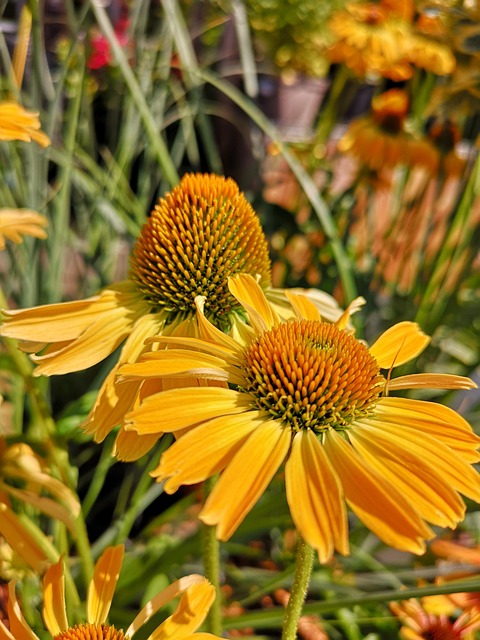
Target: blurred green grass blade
[[151, 127], [247, 55], [323, 213]]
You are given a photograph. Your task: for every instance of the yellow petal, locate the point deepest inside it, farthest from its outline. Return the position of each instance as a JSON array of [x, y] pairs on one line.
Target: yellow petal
[[399, 344], [102, 586], [18, 625], [352, 308], [431, 381], [380, 507], [455, 470], [315, 497], [160, 412], [162, 598], [210, 333], [191, 611], [46, 505], [246, 478], [130, 446], [418, 479], [21, 541], [16, 123], [434, 419], [54, 609], [16, 223], [303, 307], [205, 450], [252, 298]]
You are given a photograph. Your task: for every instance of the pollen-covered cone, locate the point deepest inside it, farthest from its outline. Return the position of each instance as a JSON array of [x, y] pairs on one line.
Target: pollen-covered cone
[[308, 394], [196, 596], [16, 123]]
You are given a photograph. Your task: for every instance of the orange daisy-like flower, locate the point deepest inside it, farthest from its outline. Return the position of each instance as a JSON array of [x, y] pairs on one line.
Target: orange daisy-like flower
[[198, 235], [308, 393], [196, 596], [420, 624], [18, 124], [369, 38], [16, 223]]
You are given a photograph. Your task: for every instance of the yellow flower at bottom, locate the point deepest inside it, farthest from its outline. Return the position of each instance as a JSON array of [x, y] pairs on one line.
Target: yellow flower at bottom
[[196, 596], [16, 223], [16, 123], [309, 394], [198, 235]]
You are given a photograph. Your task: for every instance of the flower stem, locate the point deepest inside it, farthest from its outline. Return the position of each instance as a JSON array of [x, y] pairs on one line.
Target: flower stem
[[211, 564], [301, 580]]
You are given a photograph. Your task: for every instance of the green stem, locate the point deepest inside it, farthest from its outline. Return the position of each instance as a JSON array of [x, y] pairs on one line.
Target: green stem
[[211, 563], [298, 593]]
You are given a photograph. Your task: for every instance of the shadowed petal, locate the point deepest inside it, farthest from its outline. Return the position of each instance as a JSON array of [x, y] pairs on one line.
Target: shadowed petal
[[252, 298]]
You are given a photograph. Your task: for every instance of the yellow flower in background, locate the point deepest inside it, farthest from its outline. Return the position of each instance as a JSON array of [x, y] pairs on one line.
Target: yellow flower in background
[[380, 140], [16, 223], [196, 596], [195, 238], [418, 623], [16, 123], [26, 478], [308, 393]]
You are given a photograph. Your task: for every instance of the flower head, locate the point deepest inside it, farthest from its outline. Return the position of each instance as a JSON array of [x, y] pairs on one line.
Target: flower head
[[16, 123], [195, 238], [308, 393], [196, 596]]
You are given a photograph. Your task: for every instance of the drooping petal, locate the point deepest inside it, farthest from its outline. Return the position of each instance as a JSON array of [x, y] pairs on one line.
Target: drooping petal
[[46, 505], [431, 381], [129, 446], [353, 307], [5, 633], [436, 420], [315, 497], [209, 332], [161, 410], [380, 507], [303, 307], [102, 586], [191, 611], [18, 625], [205, 450], [162, 598], [54, 608], [246, 478], [399, 344], [407, 469], [21, 541], [252, 298]]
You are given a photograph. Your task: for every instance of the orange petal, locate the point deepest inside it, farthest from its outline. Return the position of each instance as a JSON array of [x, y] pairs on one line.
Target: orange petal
[[303, 307], [18, 625], [399, 344], [102, 586], [54, 609], [315, 497], [246, 478], [21, 541]]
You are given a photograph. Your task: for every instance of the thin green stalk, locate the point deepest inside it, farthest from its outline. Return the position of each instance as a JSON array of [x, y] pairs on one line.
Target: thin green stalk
[[211, 566], [301, 580]]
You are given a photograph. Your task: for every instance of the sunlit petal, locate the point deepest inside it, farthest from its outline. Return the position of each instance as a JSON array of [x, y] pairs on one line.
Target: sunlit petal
[[102, 586], [18, 625], [399, 344], [54, 608], [252, 298], [431, 381]]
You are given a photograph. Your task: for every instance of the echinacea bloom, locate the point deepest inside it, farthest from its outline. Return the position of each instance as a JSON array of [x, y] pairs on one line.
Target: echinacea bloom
[[16, 223], [420, 624], [25, 477], [16, 123], [380, 140], [198, 235], [196, 596], [308, 393]]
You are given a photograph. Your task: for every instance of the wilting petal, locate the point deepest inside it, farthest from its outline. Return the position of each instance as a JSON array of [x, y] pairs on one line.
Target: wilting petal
[[315, 497], [102, 586], [205, 450], [46, 505], [380, 507], [54, 609], [411, 473], [21, 541], [161, 411], [399, 344], [252, 298], [246, 477], [18, 625], [162, 598], [191, 611]]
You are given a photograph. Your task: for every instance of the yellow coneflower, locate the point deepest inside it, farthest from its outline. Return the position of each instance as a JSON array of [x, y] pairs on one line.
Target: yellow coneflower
[[369, 38], [198, 235], [16, 223], [420, 624], [16, 123], [196, 596], [308, 393]]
